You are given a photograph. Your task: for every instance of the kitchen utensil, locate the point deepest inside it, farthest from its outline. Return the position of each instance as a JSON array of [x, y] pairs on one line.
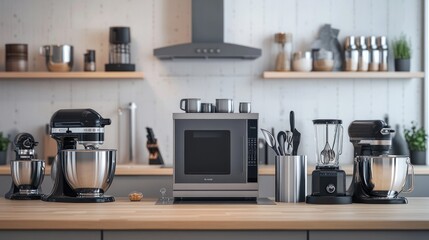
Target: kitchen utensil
[[291, 178], [296, 135], [120, 50], [89, 172], [206, 107], [191, 105], [374, 54], [224, 106], [385, 176], [384, 52], [351, 55], [326, 153], [289, 139], [59, 58], [244, 107], [155, 156], [281, 139], [89, 59], [271, 141], [16, 57], [302, 62], [363, 59]]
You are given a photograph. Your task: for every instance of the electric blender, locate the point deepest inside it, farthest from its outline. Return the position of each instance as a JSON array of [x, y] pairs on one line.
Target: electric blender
[[378, 177], [81, 174], [27, 172], [328, 180]]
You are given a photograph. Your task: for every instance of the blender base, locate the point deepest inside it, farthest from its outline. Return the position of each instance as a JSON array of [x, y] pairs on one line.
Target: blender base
[[328, 199], [380, 200], [67, 199], [18, 196]]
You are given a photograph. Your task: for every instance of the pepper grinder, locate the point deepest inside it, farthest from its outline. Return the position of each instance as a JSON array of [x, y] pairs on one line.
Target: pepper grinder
[[89, 58]]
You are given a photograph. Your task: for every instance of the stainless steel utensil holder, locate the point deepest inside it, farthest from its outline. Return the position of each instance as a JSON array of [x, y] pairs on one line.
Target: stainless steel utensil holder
[[291, 178]]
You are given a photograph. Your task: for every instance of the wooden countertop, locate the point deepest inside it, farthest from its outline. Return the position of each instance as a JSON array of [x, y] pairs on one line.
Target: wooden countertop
[[125, 215], [151, 170]]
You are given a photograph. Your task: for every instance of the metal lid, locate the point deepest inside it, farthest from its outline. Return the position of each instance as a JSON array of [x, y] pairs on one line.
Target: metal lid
[[327, 121], [360, 42], [382, 42], [371, 42], [350, 42]]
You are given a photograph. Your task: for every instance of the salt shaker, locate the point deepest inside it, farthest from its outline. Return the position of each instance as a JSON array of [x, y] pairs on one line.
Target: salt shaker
[[384, 53], [374, 54], [363, 54], [284, 56], [351, 54]]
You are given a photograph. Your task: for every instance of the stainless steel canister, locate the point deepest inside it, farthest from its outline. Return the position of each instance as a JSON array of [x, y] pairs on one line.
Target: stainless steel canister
[[384, 52], [363, 54], [351, 54], [374, 54], [224, 105], [291, 179]]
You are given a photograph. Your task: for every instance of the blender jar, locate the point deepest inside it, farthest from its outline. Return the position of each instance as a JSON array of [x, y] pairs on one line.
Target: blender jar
[[329, 141]]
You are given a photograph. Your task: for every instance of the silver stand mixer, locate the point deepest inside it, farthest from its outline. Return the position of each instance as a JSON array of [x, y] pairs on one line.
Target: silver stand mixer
[[81, 175], [378, 177], [27, 172]]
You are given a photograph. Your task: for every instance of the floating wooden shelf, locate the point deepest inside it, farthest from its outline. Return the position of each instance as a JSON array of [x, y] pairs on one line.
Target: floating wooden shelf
[[342, 75], [71, 75]]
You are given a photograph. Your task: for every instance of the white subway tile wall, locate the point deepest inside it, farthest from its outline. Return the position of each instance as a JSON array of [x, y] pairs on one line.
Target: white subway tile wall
[[27, 105]]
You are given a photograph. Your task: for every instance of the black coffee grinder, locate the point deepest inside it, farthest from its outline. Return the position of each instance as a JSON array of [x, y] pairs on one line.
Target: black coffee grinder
[[372, 138], [328, 180], [70, 127], [26, 170]]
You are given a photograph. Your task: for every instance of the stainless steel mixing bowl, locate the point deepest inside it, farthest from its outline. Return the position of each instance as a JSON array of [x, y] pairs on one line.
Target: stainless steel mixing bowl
[[89, 172], [27, 175], [59, 58], [385, 176]]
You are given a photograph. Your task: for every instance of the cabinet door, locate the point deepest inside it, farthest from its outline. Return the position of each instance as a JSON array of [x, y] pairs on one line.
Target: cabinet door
[[368, 235], [50, 235], [206, 235]]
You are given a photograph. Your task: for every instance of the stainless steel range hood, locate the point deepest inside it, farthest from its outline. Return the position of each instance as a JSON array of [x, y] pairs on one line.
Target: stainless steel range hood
[[207, 37]]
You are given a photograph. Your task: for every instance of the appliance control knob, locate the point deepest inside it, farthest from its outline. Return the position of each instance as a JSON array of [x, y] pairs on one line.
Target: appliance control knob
[[198, 50], [211, 50], [204, 50], [217, 50], [330, 188]]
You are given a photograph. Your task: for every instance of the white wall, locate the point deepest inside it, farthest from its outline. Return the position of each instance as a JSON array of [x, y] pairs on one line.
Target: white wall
[[26, 105]]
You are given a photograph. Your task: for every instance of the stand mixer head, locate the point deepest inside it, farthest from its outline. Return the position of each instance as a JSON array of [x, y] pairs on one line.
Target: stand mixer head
[[27, 172], [81, 175]]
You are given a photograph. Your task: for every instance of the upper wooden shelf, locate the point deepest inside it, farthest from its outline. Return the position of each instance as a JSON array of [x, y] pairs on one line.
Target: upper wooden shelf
[[343, 75], [71, 75]]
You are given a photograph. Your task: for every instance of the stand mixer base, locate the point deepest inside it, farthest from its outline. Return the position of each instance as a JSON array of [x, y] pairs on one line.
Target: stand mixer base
[[380, 200], [67, 199], [328, 199], [17, 196]]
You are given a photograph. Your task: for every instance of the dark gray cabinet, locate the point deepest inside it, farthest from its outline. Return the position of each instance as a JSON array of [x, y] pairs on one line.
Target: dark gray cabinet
[[368, 235]]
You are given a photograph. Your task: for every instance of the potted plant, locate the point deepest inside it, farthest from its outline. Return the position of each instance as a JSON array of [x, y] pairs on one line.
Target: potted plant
[[4, 143], [402, 53], [416, 139]]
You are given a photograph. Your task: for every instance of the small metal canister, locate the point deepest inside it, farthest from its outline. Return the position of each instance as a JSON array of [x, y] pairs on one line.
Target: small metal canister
[[384, 52], [16, 57], [374, 54], [351, 55], [363, 61]]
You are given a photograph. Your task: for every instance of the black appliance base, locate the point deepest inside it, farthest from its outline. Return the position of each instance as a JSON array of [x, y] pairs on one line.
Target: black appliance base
[[111, 67], [184, 200], [380, 200], [78, 199], [18, 196], [328, 199]]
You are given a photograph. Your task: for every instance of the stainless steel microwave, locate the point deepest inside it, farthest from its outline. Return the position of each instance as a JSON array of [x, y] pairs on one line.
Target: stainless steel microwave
[[215, 155]]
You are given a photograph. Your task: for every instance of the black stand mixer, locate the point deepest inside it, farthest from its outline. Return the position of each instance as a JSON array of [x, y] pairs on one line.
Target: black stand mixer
[[27, 172], [70, 127], [377, 176]]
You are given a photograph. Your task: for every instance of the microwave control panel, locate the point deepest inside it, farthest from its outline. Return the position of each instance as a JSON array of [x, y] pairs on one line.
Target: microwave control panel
[[252, 154]]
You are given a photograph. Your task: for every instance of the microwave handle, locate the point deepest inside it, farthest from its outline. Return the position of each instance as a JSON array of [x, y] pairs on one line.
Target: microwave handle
[[245, 152]]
